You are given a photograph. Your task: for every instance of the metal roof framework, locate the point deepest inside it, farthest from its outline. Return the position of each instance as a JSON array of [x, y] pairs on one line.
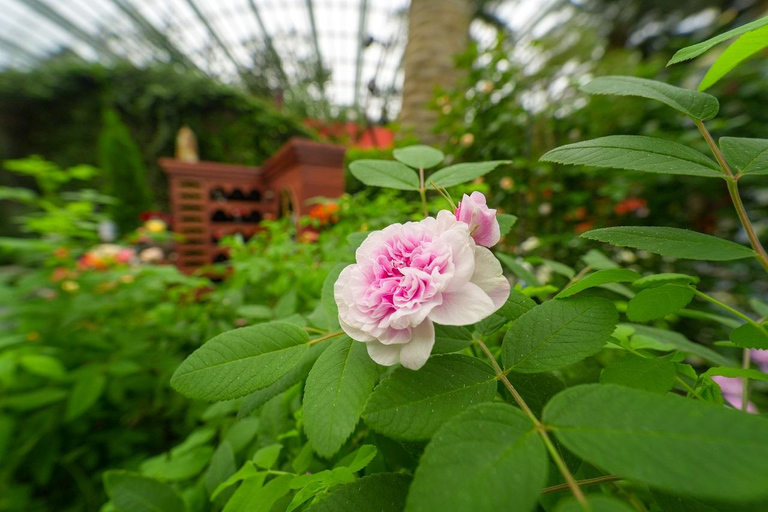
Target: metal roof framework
[[360, 42]]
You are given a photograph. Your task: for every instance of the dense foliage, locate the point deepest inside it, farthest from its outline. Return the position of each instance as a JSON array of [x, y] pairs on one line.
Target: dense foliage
[[597, 385]]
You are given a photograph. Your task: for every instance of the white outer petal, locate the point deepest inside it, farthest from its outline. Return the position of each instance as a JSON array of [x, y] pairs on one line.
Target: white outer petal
[[385, 355], [415, 353], [339, 289], [489, 276], [465, 306]]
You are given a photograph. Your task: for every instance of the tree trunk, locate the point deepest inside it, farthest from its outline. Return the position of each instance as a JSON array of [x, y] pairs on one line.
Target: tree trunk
[[437, 31]]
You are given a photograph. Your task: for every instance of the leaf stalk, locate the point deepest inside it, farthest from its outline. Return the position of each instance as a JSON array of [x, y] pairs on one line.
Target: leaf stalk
[[571, 482]]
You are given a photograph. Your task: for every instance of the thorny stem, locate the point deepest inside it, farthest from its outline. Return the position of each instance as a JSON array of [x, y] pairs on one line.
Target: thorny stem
[[327, 336], [423, 192], [571, 482], [583, 483], [733, 190]]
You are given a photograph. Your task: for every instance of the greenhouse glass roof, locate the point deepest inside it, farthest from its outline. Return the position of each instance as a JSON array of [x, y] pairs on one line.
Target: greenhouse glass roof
[[358, 44], [354, 48]]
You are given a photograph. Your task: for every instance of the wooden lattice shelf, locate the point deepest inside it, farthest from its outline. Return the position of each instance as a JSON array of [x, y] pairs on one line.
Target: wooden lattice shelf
[[211, 199]]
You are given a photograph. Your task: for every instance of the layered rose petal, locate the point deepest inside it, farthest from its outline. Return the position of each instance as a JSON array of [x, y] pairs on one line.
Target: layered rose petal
[[408, 276], [481, 220]]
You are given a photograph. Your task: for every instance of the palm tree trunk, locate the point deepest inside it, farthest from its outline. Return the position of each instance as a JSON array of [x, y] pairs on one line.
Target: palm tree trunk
[[437, 31]]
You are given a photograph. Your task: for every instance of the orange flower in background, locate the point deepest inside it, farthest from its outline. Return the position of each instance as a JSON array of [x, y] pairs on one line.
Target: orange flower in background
[[325, 213], [59, 274], [629, 205], [583, 227], [61, 252]]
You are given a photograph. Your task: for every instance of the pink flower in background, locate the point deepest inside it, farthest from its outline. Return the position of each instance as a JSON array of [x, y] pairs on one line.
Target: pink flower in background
[[732, 392], [482, 222], [410, 276], [760, 358]]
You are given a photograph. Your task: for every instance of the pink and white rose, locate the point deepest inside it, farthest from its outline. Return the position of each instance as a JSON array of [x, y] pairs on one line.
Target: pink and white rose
[[409, 277], [482, 222]]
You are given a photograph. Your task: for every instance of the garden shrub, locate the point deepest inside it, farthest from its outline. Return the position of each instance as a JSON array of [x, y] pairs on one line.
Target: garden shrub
[[120, 160]]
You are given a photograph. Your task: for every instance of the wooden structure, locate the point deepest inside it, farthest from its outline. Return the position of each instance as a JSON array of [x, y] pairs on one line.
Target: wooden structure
[[210, 199]]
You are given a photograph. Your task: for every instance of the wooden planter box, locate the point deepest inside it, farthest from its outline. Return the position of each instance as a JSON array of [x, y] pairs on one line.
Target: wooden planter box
[[211, 199]]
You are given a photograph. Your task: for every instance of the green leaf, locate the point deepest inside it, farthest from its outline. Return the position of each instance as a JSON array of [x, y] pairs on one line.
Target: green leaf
[[743, 48], [517, 304], [222, 467], [488, 458], [451, 338], [86, 392], [247, 471], [648, 373], [34, 399], [178, 467], [303, 460], [267, 457], [253, 496], [382, 173], [693, 51], [135, 493], [413, 405], [241, 433], [597, 502], [536, 388], [286, 304], [649, 337], [518, 269], [672, 503], [735, 373], [255, 311], [241, 361], [601, 277], [654, 303], [42, 365], [563, 270], [598, 260], [749, 336], [662, 279], [293, 377], [382, 492], [746, 156], [335, 394], [636, 153], [506, 222], [7, 428], [558, 333], [419, 157], [668, 441], [674, 242], [698, 105], [462, 173], [363, 456]]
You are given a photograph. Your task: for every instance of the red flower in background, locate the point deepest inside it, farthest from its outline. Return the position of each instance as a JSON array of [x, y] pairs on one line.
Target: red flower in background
[[629, 205]]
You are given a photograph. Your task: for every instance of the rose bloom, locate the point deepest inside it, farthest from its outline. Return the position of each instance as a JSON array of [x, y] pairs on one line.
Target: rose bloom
[[409, 277], [483, 225]]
